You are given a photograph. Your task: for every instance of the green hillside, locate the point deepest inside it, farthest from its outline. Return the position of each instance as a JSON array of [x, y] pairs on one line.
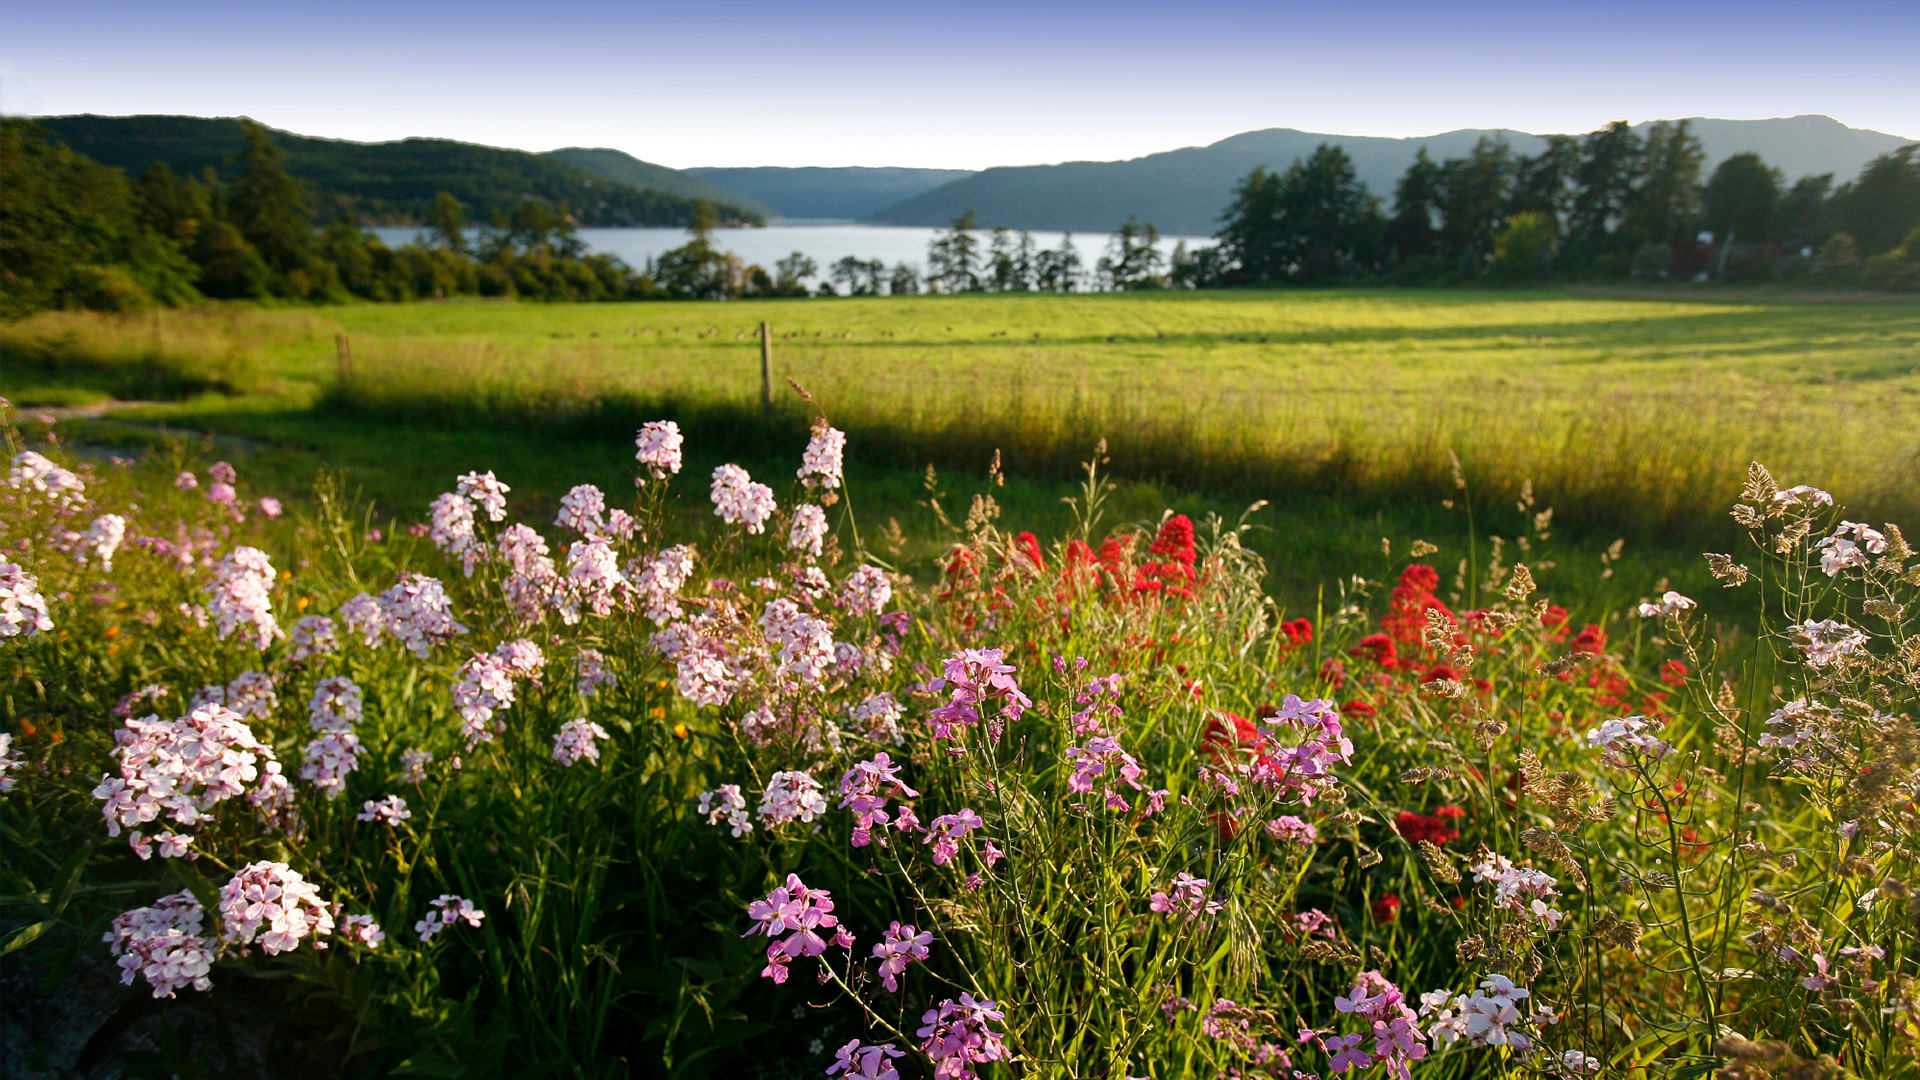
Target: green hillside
[[392, 183]]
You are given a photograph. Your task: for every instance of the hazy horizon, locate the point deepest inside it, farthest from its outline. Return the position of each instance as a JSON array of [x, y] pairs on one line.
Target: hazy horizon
[[864, 84]]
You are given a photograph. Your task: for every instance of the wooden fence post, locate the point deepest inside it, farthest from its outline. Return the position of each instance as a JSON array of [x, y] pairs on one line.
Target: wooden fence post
[[766, 372], [343, 353]]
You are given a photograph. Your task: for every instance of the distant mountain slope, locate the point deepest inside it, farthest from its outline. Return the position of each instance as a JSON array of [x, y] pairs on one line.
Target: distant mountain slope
[[623, 168], [830, 193], [1183, 191], [382, 183]]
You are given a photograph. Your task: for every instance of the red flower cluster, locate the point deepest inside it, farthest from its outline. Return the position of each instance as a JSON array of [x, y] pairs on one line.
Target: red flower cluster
[[1433, 827], [1172, 574]]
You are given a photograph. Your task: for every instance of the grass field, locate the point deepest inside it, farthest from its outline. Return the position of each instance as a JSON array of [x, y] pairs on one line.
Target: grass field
[[1630, 415]]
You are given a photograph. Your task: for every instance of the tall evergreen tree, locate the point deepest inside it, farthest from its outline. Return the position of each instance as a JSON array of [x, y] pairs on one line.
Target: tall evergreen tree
[[1603, 182], [449, 223], [1665, 205], [268, 206]]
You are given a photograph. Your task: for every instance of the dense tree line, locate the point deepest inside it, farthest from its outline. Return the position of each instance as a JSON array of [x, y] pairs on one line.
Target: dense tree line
[[74, 233], [397, 183], [1614, 203]]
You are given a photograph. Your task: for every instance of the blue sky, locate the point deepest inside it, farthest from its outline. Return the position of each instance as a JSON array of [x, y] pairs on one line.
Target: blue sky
[[954, 85]]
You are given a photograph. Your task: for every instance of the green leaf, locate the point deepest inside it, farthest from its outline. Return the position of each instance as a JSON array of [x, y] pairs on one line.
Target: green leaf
[[26, 936]]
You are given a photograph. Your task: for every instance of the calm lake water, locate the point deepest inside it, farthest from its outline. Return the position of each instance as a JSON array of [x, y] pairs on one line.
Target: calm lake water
[[825, 241]]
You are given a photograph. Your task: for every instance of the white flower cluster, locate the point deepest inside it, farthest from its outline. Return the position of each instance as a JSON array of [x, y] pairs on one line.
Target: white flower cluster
[[391, 810], [808, 534], [1850, 545], [1490, 1016], [740, 501], [451, 528], [1616, 737], [726, 803], [271, 902], [1519, 888], [9, 761], [102, 539], [575, 742], [1669, 606], [594, 583], [1826, 642], [532, 580], [415, 612], [163, 944], [821, 463], [803, 645], [487, 492], [865, 591], [33, 472], [23, 611], [239, 597], [659, 581], [179, 770], [879, 716], [657, 446], [791, 796], [250, 694], [335, 750]]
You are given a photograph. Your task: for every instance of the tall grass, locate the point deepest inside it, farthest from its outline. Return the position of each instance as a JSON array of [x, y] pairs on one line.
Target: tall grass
[[1640, 414], [148, 355]]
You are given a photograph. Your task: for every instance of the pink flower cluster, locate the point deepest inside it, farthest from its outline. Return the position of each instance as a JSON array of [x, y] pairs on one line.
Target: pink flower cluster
[[956, 1035], [311, 637], [250, 694], [532, 581], [1622, 739], [239, 599], [865, 790], [657, 446], [878, 716], [414, 611], [1300, 744], [1186, 897], [591, 673], [946, 832], [865, 1062], [791, 796], [485, 684], [272, 902], [1394, 1030], [179, 770], [451, 528], [164, 945], [977, 678], [447, 910], [362, 930], [486, 492], [899, 947], [1850, 545], [1091, 764], [803, 915], [594, 584], [23, 611], [576, 741]]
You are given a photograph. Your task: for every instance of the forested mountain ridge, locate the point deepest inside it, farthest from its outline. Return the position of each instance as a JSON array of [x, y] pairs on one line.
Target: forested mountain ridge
[[623, 168], [1182, 191], [384, 183], [826, 192]]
